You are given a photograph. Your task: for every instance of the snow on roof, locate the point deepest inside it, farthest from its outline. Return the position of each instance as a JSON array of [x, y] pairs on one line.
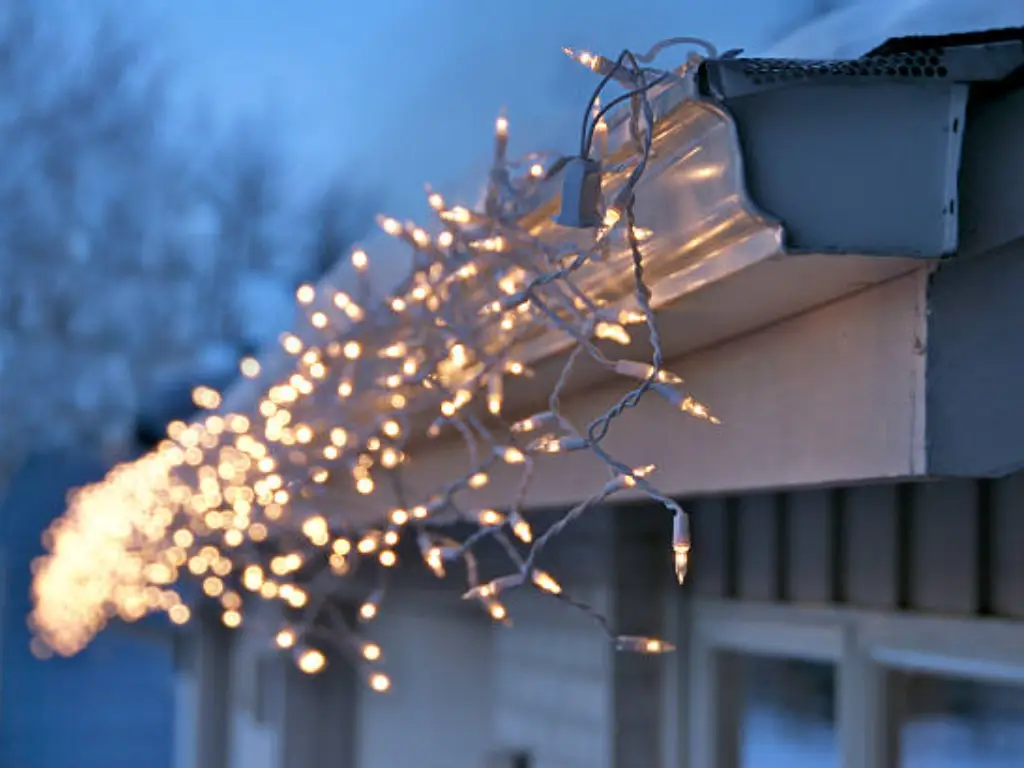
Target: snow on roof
[[857, 27]]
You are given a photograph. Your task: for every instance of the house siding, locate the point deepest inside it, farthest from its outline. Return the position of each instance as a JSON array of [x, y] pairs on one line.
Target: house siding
[[439, 657], [552, 681], [948, 547], [468, 692], [110, 706]]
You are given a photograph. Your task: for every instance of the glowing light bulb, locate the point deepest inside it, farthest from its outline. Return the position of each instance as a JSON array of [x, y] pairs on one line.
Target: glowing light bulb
[[315, 528], [311, 661], [497, 610], [390, 226], [360, 260], [511, 454], [611, 218], [612, 332], [342, 546], [305, 294], [252, 578], [520, 528], [285, 638], [399, 516], [457, 215], [495, 395], [292, 344], [533, 423], [640, 644], [179, 614], [493, 587], [490, 517], [434, 558], [380, 682], [205, 397], [546, 582], [680, 545], [371, 652], [250, 367], [587, 59]]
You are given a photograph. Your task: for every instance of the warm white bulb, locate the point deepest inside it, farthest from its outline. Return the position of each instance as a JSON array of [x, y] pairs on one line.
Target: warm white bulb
[[311, 661], [285, 638]]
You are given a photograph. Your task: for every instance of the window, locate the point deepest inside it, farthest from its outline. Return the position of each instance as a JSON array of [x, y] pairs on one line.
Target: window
[[949, 722], [772, 685], [762, 691], [787, 713]]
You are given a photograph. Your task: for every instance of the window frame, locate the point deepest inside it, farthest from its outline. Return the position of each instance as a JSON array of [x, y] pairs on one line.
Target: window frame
[[866, 647]]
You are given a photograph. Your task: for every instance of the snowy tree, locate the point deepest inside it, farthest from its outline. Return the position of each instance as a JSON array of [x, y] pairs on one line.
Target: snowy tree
[[131, 265]]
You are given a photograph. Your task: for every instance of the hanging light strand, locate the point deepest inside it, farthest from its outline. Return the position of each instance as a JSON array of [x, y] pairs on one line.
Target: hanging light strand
[[236, 502]]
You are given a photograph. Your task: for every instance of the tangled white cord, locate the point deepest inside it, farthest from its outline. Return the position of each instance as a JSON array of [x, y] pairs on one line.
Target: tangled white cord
[[234, 499]]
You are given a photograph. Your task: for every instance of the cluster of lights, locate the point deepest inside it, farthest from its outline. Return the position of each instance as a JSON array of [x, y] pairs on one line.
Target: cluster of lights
[[238, 501]]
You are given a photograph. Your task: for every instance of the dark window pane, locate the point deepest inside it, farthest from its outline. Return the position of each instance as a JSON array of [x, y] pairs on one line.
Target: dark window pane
[[788, 714], [959, 723]]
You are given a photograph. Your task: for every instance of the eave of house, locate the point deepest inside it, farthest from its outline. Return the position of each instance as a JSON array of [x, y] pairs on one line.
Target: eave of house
[[815, 225]]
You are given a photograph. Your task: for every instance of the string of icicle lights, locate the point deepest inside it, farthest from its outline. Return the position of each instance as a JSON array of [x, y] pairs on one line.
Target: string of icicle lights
[[237, 500]]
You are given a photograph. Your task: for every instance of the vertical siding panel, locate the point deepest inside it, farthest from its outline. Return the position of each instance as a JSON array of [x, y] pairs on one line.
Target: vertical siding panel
[[552, 688], [319, 720], [448, 684], [758, 547], [944, 577], [870, 557], [808, 547], [1007, 576], [641, 573], [552, 671], [709, 521]]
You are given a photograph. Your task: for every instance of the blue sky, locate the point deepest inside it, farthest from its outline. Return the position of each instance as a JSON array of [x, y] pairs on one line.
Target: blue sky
[[402, 92]]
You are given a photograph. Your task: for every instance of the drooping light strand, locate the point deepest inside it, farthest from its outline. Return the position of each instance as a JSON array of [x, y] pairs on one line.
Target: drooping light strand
[[232, 500]]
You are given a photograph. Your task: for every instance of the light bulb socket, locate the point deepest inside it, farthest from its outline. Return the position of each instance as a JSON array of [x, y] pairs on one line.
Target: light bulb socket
[[581, 194]]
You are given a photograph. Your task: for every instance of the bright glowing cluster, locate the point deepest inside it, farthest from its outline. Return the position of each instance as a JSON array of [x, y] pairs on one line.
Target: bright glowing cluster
[[235, 502]]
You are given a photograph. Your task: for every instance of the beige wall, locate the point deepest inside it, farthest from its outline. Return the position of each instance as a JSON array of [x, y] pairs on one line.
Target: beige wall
[[552, 691], [465, 689], [440, 659], [832, 395]]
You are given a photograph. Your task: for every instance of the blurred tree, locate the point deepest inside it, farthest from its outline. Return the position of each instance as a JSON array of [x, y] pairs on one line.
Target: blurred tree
[[247, 199], [337, 217], [132, 264]]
